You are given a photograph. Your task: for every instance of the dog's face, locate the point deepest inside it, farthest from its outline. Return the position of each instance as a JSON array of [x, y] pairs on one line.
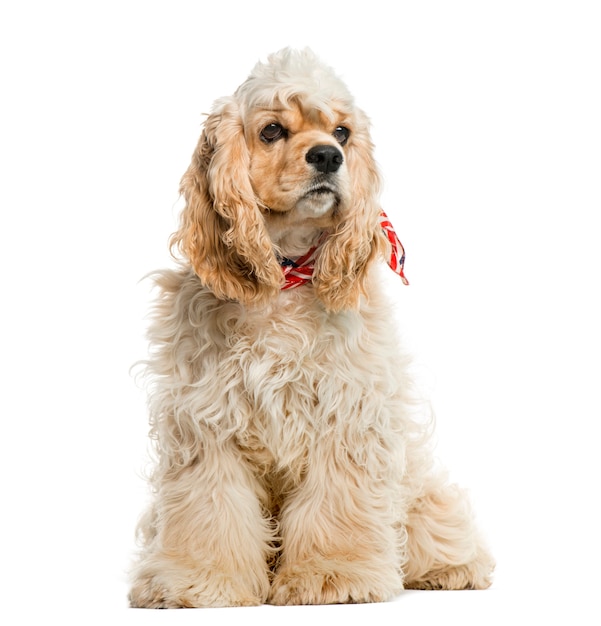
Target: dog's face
[[298, 168], [284, 161]]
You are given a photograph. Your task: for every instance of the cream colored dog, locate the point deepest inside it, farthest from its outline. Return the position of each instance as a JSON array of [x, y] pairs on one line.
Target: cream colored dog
[[291, 467]]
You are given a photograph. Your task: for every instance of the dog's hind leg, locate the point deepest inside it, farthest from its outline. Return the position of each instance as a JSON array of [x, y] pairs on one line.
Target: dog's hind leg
[[444, 550]]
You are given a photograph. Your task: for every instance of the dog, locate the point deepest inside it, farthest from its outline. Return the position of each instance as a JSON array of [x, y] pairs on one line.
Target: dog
[[292, 466]]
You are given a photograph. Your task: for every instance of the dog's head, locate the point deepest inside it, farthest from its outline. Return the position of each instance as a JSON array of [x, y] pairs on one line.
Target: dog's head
[[284, 160]]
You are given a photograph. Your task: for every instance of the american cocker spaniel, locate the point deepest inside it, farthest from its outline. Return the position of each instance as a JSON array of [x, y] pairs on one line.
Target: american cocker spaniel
[[291, 467]]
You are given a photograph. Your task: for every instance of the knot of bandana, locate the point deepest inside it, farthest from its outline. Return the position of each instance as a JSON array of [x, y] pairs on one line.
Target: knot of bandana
[[299, 271]]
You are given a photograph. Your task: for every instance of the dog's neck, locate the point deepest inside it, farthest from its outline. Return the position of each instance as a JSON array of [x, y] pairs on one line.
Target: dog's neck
[[298, 249], [294, 241]]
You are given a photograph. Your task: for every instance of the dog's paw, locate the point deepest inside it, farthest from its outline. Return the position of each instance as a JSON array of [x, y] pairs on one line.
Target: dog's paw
[[474, 575], [195, 590], [332, 583]]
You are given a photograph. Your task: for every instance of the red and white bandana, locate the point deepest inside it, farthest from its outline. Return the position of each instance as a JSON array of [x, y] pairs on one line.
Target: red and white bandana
[[299, 271]]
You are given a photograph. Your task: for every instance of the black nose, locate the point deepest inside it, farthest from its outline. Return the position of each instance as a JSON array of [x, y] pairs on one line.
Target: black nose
[[325, 159]]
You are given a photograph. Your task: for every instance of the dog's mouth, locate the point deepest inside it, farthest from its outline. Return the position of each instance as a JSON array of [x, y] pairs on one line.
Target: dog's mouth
[[318, 200], [322, 192], [321, 188]]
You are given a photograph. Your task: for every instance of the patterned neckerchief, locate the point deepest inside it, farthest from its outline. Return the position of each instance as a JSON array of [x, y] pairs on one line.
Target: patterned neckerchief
[[299, 271]]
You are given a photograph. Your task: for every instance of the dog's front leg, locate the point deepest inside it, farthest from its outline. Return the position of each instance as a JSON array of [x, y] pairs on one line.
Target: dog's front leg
[[339, 542], [208, 540]]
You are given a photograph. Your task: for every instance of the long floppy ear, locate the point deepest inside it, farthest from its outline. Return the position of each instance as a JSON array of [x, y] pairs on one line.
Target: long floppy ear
[[342, 267], [222, 231]]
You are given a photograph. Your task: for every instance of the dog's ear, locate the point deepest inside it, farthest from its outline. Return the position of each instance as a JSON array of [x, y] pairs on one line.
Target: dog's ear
[[342, 267], [222, 231]]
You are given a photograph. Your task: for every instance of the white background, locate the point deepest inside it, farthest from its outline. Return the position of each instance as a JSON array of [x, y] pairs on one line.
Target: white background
[[487, 120]]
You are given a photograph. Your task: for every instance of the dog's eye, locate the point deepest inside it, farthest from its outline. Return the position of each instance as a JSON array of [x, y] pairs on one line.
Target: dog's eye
[[272, 132], [341, 135]]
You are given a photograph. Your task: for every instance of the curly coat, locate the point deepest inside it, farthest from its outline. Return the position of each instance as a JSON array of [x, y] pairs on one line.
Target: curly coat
[[292, 464]]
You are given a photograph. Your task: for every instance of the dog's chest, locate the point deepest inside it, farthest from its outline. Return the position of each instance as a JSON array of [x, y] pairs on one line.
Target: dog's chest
[[295, 369]]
